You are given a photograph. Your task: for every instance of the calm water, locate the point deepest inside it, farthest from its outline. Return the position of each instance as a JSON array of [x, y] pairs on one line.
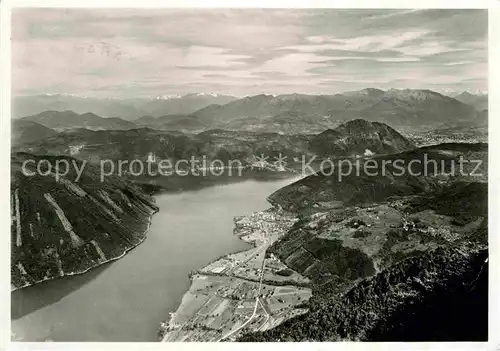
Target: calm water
[[126, 300]]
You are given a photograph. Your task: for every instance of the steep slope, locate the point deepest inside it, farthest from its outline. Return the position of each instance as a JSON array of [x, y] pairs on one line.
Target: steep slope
[[479, 101], [69, 120], [482, 118], [285, 122], [294, 105], [63, 227], [360, 137], [441, 295], [26, 132], [394, 263], [245, 107], [406, 173], [182, 105], [414, 108], [355, 241], [186, 123], [367, 93], [401, 108]]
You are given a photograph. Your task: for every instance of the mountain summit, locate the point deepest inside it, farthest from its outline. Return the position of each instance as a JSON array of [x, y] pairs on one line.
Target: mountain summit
[[479, 101], [400, 108], [360, 137], [63, 120]]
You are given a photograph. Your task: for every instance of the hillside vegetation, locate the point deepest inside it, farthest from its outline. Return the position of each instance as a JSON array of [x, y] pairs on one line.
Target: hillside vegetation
[[63, 227]]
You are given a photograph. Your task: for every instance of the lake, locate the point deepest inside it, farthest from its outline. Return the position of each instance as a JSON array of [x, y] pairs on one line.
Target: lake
[[126, 300]]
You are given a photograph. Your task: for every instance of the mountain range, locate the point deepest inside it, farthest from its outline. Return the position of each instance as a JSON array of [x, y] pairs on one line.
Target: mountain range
[[289, 114], [64, 120], [24, 131], [361, 187], [408, 108], [127, 109], [356, 137], [479, 101], [187, 123]]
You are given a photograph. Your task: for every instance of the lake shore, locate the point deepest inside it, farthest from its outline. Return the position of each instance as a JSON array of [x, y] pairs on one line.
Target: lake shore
[[209, 294], [191, 229], [98, 264]]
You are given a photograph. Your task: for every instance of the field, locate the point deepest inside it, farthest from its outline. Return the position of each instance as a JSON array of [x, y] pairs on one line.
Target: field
[[245, 291]]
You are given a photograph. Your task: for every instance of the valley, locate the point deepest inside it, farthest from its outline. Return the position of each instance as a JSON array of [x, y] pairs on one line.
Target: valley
[[412, 110], [243, 174], [190, 230], [331, 250], [326, 236]]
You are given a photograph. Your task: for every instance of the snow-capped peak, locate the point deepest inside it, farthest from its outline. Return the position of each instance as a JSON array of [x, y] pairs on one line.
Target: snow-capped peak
[[178, 96], [65, 94], [416, 94], [454, 93], [167, 97], [478, 92], [207, 94]]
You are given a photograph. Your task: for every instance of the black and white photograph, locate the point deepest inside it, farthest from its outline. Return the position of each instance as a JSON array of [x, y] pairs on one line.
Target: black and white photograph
[[248, 174]]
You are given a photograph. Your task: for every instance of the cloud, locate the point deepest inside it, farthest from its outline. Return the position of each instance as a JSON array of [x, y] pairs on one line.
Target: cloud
[[429, 48], [459, 63], [398, 59], [124, 52]]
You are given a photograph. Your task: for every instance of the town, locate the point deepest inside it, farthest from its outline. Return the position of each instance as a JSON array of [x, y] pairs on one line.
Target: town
[[241, 292]]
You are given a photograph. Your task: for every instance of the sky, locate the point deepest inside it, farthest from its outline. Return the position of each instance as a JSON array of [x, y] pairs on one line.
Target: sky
[[123, 53]]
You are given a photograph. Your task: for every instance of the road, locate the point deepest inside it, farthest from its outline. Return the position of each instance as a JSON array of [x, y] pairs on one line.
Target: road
[[244, 324], [259, 249], [267, 313], [257, 301], [232, 332]]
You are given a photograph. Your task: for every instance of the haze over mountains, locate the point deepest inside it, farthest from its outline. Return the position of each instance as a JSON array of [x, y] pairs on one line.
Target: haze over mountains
[[394, 107], [479, 101], [289, 114], [24, 131], [63, 120], [128, 109]]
